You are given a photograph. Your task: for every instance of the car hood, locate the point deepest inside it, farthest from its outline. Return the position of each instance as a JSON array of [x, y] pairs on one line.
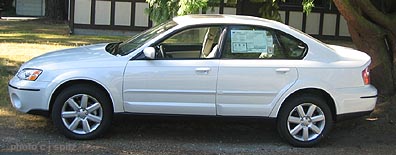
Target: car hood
[[70, 56]]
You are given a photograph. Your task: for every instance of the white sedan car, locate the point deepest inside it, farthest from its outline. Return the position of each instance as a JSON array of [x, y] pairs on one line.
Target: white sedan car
[[215, 65]]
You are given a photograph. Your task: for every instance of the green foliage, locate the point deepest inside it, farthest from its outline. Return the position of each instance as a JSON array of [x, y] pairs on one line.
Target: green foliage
[[269, 10], [191, 6], [307, 5], [163, 10], [212, 3]]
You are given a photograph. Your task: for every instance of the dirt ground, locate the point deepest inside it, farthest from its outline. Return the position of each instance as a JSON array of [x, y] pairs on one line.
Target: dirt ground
[[131, 134]]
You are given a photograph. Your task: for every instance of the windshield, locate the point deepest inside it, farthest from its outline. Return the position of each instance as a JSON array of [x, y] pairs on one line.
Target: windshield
[[138, 40]]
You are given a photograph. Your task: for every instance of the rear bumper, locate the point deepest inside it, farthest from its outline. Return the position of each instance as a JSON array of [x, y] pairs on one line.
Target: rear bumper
[[352, 115], [355, 101]]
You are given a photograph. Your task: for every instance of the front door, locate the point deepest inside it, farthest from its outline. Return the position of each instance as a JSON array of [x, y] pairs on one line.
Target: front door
[[180, 80]]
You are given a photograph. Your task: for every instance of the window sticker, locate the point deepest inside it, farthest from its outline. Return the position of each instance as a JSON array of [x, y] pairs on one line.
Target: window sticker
[[249, 41], [270, 47]]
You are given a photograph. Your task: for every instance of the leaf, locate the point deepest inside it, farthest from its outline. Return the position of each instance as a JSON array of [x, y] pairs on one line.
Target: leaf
[[307, 6]]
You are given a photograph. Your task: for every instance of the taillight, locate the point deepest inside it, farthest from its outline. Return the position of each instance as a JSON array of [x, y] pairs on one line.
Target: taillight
[[366, 76]]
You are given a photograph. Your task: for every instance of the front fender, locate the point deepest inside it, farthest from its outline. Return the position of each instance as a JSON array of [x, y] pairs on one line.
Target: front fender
[[112, 85]]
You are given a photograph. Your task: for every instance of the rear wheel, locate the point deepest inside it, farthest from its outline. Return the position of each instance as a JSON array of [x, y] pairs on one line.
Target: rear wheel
[[82, 112], [304, 120]]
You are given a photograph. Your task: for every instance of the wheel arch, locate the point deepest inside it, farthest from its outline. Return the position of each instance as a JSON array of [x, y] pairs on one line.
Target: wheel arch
[[315, 91], [72, 82]]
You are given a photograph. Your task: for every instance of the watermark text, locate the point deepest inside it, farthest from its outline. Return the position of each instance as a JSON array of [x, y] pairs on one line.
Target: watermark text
[[43, 147]]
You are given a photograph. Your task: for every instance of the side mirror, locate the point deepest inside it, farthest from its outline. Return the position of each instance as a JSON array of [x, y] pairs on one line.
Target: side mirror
[[149, 52]]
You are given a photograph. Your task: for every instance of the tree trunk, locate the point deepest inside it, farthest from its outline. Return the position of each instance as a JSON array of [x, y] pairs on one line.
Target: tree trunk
[[56, 9], [373, 32]]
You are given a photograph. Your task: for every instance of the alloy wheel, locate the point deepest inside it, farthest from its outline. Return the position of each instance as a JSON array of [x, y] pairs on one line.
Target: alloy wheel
[[306, 122], [82, 114]]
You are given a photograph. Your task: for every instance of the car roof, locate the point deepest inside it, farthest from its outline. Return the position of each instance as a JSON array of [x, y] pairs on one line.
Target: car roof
[[196, 19]]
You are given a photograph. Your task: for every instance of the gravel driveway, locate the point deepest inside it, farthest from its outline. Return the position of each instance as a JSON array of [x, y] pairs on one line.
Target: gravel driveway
[[131, 134]]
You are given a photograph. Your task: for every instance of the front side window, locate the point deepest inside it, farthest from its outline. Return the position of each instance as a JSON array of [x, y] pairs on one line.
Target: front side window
[[192, 43], [128, 46], [249, 42]]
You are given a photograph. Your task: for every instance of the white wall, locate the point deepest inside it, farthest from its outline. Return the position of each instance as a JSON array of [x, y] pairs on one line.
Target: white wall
[[344, 27], [229, 10], [141, 18], [82, 11], [283, 16], [102, 12], [329, 24], [295, 19], [30, 7], [123, 13], [313, 23]]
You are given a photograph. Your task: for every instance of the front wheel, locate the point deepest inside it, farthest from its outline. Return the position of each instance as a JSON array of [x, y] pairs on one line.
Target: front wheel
[[304, 120], [82, 112]]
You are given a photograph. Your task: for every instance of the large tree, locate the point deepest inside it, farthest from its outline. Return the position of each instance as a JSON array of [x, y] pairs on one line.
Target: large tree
[[373, 30], [56, 9]]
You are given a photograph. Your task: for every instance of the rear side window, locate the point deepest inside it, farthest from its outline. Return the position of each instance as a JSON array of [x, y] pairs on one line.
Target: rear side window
[[249, 42]]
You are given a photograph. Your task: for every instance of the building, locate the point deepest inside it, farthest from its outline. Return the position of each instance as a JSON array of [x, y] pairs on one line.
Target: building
[[126, 16], [30, 7]]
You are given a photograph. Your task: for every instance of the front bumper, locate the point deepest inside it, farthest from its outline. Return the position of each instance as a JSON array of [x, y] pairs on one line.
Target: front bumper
[[27, 96]]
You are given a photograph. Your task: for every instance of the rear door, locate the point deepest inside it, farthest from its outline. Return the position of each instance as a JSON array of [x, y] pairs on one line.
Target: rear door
[[254, 70]]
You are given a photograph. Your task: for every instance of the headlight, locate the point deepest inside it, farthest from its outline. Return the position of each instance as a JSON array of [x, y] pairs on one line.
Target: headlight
[[29, 74]]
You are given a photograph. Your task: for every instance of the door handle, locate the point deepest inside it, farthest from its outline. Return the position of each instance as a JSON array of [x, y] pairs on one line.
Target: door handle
[[282, 70], [202, 70]]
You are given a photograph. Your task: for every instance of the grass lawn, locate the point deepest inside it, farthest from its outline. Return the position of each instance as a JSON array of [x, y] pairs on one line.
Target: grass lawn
[[22, 40]]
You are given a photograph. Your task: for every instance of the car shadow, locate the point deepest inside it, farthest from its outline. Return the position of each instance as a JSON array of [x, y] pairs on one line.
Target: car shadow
[[195, 129]]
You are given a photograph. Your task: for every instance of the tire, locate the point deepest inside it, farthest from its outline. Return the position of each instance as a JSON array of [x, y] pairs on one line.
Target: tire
[[77, 120], [307, 128]]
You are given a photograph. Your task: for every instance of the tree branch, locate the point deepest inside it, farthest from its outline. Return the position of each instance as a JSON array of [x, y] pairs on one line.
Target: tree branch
[[350, 12], [385, 20]]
